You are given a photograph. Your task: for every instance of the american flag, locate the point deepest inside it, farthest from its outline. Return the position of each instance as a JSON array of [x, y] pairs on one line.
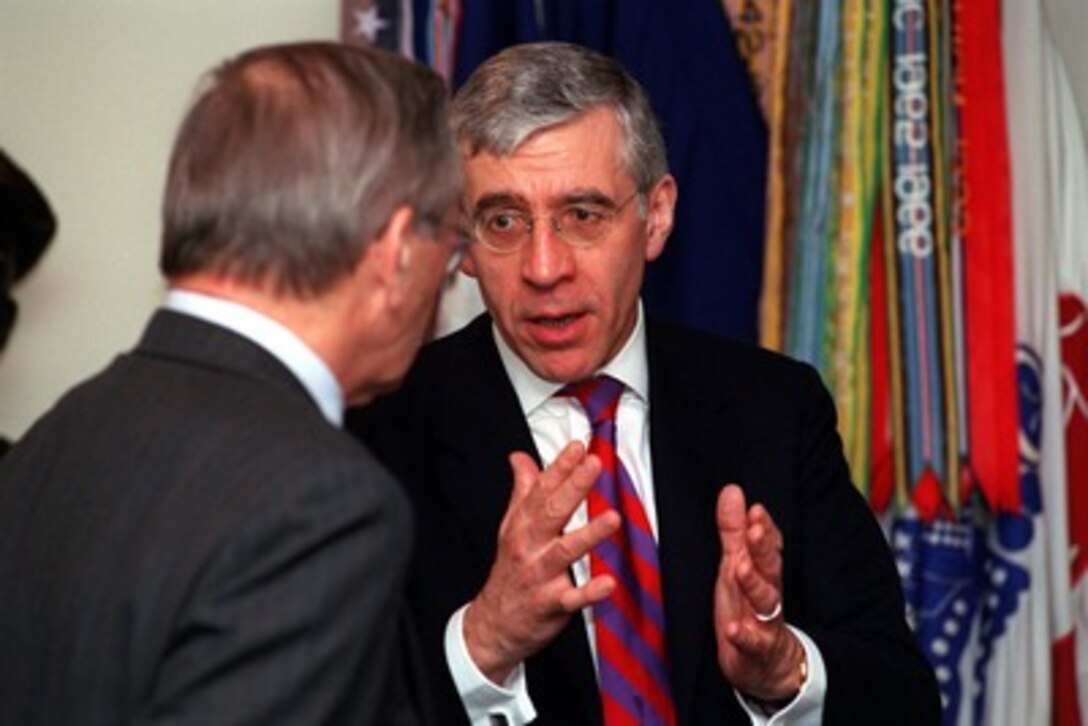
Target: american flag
[[382, 23]]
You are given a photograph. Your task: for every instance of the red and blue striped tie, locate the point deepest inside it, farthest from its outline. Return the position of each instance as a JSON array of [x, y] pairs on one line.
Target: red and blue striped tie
[[630, 625]]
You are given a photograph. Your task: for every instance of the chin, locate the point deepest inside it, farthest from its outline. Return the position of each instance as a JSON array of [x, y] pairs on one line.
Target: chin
[[561, 372]]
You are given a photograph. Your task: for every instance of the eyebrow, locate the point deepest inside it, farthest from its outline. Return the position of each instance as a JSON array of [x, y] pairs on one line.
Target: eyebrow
[[509, 199], [500, 199]]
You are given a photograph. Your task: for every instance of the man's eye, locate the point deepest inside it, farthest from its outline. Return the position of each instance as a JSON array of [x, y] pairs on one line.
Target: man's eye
[[501, 222], [583, 216]]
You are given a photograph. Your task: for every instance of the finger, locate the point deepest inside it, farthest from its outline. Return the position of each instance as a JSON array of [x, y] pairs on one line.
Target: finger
[[730, 602], [563, 465], [598, 589], [549, 511], [766, 556], [749, 639], [764, 542], [763, 595], [760, 518], [732, 521], [573, 545], [541, 514], [520, 521], [526, 474], [565, 497]]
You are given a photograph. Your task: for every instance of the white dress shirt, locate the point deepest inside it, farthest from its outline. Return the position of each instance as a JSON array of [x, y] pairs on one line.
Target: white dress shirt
[[553, 422], [311, 371]]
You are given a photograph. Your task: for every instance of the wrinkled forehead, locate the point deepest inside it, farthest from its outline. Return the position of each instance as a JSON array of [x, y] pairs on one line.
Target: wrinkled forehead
[[579, 157]]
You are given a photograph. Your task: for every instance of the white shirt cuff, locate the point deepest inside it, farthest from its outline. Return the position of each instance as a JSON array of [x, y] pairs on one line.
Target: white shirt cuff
[[807, 707], [485, 702]]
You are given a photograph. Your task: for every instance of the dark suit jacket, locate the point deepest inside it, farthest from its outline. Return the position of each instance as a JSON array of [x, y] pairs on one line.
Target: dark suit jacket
[[185, 540], [719, 413]]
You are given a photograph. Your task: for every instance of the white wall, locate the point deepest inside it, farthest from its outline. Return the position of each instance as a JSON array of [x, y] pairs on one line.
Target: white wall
[[91, 92]]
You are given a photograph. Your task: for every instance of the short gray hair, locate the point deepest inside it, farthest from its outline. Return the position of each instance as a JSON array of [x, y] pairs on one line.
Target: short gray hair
[[530, 87], [294, 157]]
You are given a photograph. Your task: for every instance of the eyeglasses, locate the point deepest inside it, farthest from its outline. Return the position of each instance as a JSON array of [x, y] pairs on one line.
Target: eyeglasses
[[581, 224], [458, 243], [452, 235]]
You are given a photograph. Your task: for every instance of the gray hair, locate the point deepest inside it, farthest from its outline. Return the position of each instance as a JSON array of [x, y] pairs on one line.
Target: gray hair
[[530, 87], [294, 157]]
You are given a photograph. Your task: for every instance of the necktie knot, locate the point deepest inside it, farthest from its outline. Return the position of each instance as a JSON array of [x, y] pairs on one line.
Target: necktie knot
[[599, 396]]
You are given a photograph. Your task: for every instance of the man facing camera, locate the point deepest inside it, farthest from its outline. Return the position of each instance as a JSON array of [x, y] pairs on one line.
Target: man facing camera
[[708, 560], [188, 537]]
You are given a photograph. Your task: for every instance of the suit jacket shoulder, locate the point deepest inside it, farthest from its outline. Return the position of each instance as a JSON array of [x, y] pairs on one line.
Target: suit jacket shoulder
[[209, 522]]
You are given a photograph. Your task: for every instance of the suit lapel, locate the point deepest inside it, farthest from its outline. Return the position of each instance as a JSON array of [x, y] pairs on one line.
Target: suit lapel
[[478, 425], [694, 455]]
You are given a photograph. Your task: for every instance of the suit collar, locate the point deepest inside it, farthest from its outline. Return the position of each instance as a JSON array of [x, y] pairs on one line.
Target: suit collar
[[175, 336], [282, 342]]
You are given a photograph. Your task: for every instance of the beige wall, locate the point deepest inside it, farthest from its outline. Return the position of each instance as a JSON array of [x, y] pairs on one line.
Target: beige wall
[[91, 92]]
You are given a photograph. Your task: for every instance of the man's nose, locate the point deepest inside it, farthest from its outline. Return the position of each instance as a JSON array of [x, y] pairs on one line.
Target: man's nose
[[546, 259]]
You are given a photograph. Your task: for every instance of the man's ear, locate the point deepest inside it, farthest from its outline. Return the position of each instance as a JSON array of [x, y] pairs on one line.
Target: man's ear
[[468, 265], [660, 207], [390, 255]]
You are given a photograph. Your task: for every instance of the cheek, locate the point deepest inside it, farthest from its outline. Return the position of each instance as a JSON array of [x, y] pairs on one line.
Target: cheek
[[617, 277], [497, 278]]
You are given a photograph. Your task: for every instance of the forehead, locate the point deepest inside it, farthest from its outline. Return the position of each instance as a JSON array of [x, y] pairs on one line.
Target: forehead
[[582, 154]]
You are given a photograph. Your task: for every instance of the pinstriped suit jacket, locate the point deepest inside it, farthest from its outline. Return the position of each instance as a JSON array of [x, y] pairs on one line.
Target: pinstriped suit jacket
[[185, 540], [719, 413]]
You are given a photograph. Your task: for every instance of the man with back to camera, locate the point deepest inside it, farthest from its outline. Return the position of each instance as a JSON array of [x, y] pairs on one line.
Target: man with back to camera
[[187, 537], [631, 585]]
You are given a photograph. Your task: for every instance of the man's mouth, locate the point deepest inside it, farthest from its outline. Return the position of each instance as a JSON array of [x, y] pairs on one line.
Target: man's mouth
[[554, 321]]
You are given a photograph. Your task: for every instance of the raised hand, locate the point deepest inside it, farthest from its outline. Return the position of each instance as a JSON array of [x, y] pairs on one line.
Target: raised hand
[[529, 596], [757, 653]]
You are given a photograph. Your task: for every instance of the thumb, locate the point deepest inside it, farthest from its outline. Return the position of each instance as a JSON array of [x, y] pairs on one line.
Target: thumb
[[732, 520], [526, 473]]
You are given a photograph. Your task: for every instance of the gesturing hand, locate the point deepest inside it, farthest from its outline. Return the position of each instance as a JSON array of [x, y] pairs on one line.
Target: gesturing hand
[[757, 653], [529, 596]]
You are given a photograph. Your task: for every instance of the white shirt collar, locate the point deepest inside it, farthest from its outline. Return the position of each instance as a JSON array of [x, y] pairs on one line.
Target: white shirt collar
[[311, 371], [629, 366]]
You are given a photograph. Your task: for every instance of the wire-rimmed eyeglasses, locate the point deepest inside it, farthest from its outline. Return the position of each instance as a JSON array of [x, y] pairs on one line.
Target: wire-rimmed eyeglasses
[[456, 238], [580, 224], [458, 245]]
